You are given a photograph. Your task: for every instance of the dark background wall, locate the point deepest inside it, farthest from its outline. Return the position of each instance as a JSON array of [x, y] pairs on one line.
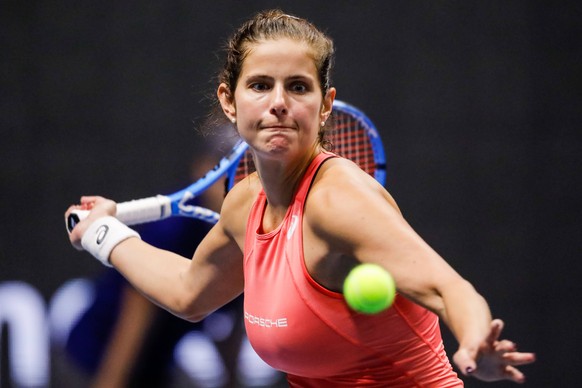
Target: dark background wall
[[478, 103]]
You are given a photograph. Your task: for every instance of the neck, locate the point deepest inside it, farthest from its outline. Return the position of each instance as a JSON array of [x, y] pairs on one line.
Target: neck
[[280, 179]]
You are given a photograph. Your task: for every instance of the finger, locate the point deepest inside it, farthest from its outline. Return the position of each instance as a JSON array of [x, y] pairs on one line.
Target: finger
[[505, 346], [75, 238], [465, 361], [519, 358], [496, 328], [514, 374], [89, 199]]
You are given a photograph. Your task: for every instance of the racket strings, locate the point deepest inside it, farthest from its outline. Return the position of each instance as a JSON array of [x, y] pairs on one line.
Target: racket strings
[[349, 137], [246, 166]]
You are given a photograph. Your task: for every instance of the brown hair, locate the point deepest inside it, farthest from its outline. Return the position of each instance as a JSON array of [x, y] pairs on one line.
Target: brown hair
[[274, 24], [266, 25]]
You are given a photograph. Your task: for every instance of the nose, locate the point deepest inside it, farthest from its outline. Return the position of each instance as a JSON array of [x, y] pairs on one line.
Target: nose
[[278, 102]]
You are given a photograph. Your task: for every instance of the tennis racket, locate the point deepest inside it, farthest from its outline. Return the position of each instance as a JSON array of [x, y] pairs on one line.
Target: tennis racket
[[352, 135]]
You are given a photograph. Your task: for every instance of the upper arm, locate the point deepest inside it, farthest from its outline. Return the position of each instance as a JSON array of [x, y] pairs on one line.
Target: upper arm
[[216, 270], [359, 218], [215, 274]]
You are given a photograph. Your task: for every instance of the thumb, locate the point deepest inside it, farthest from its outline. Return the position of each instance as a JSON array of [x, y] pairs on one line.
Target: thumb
[[464, 359]]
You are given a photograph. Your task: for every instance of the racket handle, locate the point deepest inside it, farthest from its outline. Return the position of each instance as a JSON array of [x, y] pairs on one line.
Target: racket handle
[[75, 217], [133, 212]]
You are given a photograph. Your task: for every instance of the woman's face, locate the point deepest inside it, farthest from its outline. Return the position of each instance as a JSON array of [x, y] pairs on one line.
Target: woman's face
[[278, 100]]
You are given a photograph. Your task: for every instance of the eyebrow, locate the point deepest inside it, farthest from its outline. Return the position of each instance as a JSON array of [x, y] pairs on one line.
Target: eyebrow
[[268, 77]]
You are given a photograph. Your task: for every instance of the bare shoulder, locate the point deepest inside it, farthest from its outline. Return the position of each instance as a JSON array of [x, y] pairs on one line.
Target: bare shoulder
[[237, 204], [340, 180], [343, 196]]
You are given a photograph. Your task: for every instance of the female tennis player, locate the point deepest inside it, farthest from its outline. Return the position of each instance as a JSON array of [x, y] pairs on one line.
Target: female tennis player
[[289, 234]]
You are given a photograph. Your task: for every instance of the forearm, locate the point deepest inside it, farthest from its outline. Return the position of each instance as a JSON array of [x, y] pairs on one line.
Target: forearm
[[186, 288], [157, 274]]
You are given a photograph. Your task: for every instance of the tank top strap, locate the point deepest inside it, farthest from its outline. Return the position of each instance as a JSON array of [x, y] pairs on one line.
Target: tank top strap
[[310, 173]]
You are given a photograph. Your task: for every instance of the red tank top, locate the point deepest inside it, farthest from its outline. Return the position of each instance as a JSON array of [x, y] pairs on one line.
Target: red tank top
[[301, 328]]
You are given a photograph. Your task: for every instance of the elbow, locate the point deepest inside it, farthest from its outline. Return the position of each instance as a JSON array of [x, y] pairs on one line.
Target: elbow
[[190, 316], [194, 318], [189, 310]]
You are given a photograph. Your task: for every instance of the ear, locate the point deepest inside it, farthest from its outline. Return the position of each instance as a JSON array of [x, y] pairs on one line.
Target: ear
[[226, 101], [327, 105]]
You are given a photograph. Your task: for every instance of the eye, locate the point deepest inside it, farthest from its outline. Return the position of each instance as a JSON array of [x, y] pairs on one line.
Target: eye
[[259, 86], [299, 87]]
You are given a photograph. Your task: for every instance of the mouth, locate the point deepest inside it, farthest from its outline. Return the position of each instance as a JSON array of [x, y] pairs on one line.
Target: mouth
[[276, 127]]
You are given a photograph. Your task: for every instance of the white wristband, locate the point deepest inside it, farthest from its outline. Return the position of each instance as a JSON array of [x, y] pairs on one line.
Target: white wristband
[[103, 235]]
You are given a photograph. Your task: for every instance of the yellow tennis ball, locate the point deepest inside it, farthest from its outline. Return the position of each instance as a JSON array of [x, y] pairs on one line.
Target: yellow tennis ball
[[369, 289]]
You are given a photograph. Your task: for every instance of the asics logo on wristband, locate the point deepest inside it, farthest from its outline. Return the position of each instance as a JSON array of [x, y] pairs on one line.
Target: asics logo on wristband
[[101, 234]]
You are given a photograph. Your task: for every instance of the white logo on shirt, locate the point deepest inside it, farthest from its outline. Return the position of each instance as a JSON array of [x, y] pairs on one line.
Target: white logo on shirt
[[265, 322]]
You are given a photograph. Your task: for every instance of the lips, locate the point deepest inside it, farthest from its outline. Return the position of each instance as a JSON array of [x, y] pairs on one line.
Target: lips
[[277, 127]]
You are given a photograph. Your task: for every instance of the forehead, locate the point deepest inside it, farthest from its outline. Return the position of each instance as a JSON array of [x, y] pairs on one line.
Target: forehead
[[279, 55]]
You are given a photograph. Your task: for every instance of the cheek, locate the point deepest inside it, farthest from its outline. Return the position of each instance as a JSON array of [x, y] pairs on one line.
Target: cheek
[[246, 115], [311, 117], [245, 106]]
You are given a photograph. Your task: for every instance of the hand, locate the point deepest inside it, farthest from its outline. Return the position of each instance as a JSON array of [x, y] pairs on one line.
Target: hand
[[98, 206], [494, 359]]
